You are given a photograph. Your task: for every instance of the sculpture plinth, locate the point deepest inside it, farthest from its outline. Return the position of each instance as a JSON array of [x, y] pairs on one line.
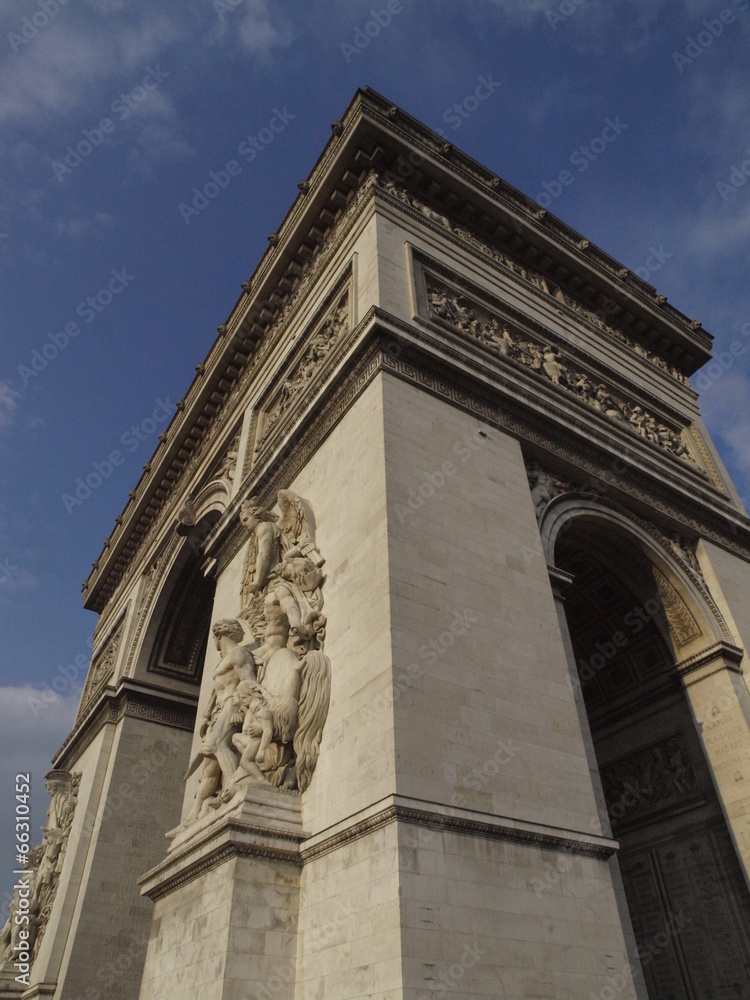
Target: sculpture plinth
[[226, 900]]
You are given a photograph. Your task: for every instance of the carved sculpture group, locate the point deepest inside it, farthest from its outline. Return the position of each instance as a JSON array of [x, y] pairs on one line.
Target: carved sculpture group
[[37, 887], [544, 359], [271, 686], [654, 777]]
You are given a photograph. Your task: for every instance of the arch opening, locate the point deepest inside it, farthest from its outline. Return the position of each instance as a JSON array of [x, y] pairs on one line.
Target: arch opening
[[176, 637], [686, 896]]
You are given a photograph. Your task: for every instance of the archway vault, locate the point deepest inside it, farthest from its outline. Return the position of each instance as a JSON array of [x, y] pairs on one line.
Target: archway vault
[[695, 620], [665, 705], [176, 598]]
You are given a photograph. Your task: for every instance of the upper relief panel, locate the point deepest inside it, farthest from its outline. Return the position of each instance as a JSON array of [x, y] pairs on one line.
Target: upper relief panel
[[573, 309], [510, 339]]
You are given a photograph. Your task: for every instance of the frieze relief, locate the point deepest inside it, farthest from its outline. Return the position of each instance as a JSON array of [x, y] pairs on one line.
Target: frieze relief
[[36, 888], [683, 549], [271, 685], [102, 667], [546, 361], [325, 338], [656, 777], [529, 275]]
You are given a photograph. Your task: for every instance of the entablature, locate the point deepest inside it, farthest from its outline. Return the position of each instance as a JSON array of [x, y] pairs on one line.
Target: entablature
[[376, 145]]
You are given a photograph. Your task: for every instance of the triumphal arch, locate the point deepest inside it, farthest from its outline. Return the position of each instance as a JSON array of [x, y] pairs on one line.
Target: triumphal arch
[[421, 663]]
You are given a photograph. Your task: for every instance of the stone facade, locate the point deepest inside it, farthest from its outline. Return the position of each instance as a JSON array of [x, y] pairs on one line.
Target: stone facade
[[420, 666]]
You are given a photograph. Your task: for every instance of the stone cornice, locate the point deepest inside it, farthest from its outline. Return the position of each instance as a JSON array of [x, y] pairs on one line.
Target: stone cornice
[[427, 269], [232, 839], [133, 699], [281, 458], [525, 226], [462, 822], [535, 285], [196, 426], [526, 410], [726, 652]]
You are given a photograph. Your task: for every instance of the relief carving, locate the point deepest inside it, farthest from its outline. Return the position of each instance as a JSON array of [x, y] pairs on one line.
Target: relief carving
[[228, 465], [545, 360], [36, 889], [682, 625], [102, 667], [527, 274], [683, 549], [271, 686], [658, 776], [321, 345], [544, 487]]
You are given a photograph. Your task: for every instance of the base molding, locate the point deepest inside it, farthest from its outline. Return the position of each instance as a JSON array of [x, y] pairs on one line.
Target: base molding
[[452, 819], [260, 822]]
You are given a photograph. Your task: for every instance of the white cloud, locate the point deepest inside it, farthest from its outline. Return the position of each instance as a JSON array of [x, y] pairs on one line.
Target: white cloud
[[588, 26], [68, 63], [15, 580], [260, 27], [722, 231], [523, 9], [78, 227]]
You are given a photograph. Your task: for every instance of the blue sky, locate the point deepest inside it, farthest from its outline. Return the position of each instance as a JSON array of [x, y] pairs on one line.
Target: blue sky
[[113, 112]]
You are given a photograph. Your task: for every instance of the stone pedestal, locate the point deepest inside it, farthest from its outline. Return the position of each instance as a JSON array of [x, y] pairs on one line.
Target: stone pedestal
[[9, 988], [225, 920]]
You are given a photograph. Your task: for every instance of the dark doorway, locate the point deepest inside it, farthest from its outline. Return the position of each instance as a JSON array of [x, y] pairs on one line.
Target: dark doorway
[[687, 897]]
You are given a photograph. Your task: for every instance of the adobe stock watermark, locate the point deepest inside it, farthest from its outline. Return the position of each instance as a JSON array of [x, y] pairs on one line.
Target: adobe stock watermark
[[507, 750], [634, 621], [46, 11], [459, 111], [657, 258], [140, 775], [581, 159], [64, 681], [564, 10], [279, 981], [738, 176], [379, 20], [451, 976], [123, 106], [552, 875], [88, 310], [721, 362], [647, 952], [6, 570], [248, 149], [430, 653], [434, 481], [592, 488], [131, 440], [711, 30], [223, 7]]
